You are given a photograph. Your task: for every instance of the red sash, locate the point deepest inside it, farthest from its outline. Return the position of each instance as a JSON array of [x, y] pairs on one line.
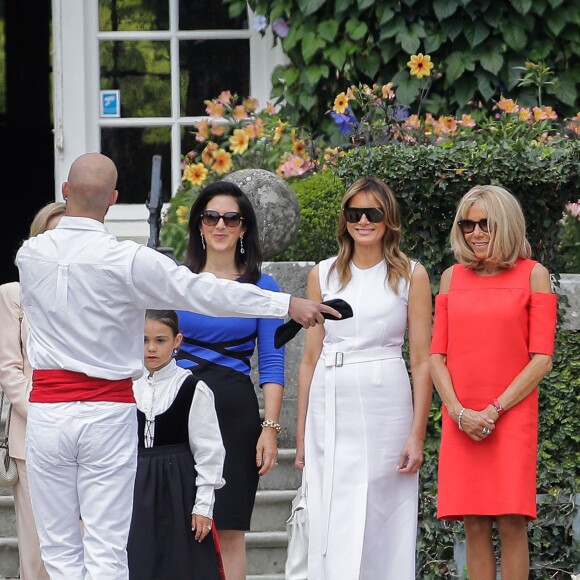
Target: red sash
[[60, 386]]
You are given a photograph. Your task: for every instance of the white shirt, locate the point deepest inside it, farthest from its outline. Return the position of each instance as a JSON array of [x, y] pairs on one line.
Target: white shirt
[[154, 395], [85, 293]]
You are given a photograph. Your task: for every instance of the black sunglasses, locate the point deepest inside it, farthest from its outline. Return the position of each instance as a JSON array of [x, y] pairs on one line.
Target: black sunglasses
[[231, 219], [467, 226], [353, 215]]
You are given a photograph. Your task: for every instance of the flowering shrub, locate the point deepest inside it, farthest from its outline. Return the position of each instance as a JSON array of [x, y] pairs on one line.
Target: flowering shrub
[[237, 135], [372, 116]]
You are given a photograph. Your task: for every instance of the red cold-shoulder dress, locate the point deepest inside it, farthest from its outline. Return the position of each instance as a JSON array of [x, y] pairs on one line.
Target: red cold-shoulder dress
[[488, 326]]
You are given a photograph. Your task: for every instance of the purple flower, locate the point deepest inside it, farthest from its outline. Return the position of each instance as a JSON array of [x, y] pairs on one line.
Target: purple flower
[[281, 27], [400, 113], [346, 122], [260, 22]]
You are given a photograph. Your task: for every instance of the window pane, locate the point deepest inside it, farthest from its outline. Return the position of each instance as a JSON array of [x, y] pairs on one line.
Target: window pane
[[121, 15], [200, 59], [132, 150], [208, 15], [141, 71]]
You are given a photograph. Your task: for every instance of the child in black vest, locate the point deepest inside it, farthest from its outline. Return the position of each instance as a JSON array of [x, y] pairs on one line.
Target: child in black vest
[[180, 464]]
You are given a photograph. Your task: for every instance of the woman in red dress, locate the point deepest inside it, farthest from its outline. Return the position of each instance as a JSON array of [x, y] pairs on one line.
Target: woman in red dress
[[493, 341]]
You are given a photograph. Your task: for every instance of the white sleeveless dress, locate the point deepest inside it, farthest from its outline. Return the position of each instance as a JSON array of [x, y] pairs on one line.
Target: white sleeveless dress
[[362, 513]]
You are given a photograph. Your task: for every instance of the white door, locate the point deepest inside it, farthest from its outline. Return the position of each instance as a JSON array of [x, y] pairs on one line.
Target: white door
[[130, 79]]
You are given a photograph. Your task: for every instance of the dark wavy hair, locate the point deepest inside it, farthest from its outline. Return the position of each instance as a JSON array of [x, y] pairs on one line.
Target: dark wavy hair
[[251, 260]]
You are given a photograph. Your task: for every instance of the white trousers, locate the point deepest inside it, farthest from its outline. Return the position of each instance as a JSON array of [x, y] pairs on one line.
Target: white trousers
[[82, 459]]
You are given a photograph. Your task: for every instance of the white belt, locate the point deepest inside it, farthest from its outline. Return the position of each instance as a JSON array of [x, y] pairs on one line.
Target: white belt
[[334, 358]]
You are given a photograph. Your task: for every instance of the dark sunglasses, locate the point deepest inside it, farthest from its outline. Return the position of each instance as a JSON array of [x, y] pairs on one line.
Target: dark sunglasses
[[467, 226], [353, 215], [231, 219]]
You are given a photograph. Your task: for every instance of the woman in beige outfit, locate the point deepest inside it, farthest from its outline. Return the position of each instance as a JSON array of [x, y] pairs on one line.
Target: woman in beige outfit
[[15, 380]]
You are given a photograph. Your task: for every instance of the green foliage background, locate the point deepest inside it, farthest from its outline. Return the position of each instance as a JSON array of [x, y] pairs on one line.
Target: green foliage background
[[477, 43], [429, 180]]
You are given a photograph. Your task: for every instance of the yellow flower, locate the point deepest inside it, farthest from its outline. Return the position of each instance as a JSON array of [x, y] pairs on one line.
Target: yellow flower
[[420, 65], [207, 153], [181, 214], [195, 173], [202, 130], [340, 103], [447, 124], [256, 128], [413, 121], [507, 105], [222, 161], [214, 109], [239, 141], [467, 121], [251, 104], [299, 147], [280, 126], [239, 113], [218, 129], [225, 98]]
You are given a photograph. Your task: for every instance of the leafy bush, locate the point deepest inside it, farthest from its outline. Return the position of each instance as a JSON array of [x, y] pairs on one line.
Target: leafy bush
[[481, 46], [429, 180], [319, 197]]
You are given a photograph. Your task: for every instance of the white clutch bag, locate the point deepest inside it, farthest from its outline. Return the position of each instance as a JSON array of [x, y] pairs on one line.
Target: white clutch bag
[[297, 529]]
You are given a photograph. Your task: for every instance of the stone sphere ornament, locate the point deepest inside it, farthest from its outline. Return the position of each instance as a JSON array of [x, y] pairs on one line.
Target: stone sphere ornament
[[276, 206]]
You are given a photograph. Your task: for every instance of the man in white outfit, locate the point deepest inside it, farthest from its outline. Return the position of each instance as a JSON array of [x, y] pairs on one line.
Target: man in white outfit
[[85, 295]]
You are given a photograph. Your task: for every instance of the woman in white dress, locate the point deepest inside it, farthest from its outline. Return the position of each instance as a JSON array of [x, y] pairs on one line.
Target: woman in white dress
[[361, 427]]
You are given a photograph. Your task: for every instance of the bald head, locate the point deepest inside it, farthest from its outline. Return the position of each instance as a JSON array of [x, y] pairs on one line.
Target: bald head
[[90, 188]]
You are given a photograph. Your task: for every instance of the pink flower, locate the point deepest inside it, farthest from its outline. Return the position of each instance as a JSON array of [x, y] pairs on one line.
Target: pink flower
[[574, 209]]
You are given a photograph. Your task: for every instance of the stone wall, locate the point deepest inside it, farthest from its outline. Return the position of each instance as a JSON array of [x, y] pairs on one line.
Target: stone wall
[[292, 276]]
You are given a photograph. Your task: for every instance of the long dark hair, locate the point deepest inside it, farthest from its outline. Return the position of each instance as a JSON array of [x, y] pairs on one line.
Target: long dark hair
[[251, 260]]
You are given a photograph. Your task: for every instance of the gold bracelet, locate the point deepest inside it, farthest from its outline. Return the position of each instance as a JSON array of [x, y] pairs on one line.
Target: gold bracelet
[[273, 424]]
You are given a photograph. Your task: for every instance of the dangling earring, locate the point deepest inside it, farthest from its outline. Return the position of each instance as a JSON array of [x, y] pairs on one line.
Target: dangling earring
[[242, 251], [202, 241], [175, 352]]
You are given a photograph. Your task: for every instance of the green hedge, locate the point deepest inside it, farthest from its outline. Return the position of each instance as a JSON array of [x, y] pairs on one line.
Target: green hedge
[[553, 549], [429, 180]]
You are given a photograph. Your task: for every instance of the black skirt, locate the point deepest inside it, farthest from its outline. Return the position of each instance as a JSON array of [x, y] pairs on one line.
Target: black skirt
[[161, 544], [238, 414]]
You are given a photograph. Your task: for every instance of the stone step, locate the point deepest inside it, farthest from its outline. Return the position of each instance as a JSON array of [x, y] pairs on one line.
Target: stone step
[[266, 553], [8, 558], [271, 510], [7, 517]]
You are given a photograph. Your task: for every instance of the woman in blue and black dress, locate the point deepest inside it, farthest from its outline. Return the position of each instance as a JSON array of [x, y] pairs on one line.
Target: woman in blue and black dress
[[223, 240]]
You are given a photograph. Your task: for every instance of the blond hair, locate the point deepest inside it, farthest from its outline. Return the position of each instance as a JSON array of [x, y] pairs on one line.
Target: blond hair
[[399, 265], [507, 228], [42, 218]]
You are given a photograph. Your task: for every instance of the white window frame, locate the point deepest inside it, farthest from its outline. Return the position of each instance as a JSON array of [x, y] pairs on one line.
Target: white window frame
[[77, 121]]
